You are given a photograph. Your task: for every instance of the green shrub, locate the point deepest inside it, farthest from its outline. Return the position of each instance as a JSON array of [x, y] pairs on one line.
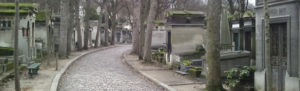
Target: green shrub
[[162, 50], [22, 67], [154, 55], [164, 61], [187, 62], [6, 51], [175, 65], [197, 68], [9, 66], [237, 76], [158, 56]]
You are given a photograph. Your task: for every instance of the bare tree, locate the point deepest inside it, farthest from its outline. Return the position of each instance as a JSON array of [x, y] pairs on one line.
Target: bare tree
[[267, 46], [213, 46], [86, 24], [101, 5], [129, 10], [113, 7], [147, 54], [64, 11], [136, 26], [70, 27], [106, 26], [47, 22], [231, 6], [193, 5], [98, 31], [143, 16], [242, 9], [163, 6], [16, 51], [77, 21]]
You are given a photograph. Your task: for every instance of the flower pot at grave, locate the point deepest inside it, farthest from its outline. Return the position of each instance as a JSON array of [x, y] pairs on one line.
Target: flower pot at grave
[[194, 72]]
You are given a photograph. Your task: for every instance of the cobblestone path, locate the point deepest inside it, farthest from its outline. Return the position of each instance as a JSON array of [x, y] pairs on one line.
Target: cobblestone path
[[104, 71]]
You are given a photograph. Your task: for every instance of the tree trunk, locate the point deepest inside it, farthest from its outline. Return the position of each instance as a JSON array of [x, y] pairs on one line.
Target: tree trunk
[[113, 28], [98, 30], [106, 28], [78, 29], [16, 51], [70, 27], [64, 11], [231, 6], [47, 21], [143, 16], [86, 25], [241, 23], [267, 47], [136, 26], [147, 54], [213, 46]]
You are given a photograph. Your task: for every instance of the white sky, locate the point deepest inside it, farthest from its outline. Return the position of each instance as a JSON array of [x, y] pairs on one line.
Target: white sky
[[252, 2]]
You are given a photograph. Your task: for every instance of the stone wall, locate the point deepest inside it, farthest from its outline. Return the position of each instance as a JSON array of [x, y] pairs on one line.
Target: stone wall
[[231, 60], [159, 39], [185, 39]]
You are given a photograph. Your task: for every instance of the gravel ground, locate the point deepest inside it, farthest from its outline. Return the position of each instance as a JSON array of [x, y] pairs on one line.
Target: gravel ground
[[104, 71]]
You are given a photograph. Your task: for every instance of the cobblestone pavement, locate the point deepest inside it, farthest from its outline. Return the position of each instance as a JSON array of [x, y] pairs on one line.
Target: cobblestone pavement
[[104, 71]]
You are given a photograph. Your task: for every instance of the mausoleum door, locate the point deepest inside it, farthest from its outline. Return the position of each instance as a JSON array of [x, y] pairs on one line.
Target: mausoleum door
[[278, 55], [236, 41], [248, 40]]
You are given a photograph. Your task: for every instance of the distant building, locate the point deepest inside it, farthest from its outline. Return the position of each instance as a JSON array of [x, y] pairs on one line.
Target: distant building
[[248, 41], [27, 45], [122, 35]]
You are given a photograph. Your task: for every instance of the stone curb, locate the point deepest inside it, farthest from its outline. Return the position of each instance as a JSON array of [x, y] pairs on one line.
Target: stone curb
[[165, 86], [56, 80]]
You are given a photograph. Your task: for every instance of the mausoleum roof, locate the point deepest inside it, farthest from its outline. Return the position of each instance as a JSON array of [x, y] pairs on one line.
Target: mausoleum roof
[[173, 12]]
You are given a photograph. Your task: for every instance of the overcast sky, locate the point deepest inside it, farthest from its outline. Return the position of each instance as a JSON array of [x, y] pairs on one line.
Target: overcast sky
[[252, 2]]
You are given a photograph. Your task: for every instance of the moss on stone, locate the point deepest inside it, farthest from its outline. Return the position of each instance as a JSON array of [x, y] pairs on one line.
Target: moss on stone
[[158, 22], [40, 16], [174, 12], [6, 51], [21, 5], [195, 71], [9, 8], [12, 11]]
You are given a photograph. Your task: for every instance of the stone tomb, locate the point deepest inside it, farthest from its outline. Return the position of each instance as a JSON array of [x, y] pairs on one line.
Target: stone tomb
[[284, 27]]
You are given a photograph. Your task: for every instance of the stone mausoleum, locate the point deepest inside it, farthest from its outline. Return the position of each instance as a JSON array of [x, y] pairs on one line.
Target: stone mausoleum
[[185, 33], [284, 31], [27, 47]]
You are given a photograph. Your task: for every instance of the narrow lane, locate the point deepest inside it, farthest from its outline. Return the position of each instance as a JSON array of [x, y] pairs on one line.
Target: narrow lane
[[104, 71]]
